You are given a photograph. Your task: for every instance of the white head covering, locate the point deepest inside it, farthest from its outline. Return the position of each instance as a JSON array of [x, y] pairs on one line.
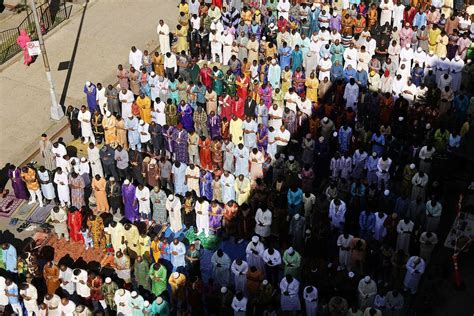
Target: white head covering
[[325, 119], [386, 192], [108, 280], [88, 83], [126, 182], [146, 303], [223, 290], [265, 282], [134, 294], [412, 166], [367, 279], [255, 239], [175, 275]]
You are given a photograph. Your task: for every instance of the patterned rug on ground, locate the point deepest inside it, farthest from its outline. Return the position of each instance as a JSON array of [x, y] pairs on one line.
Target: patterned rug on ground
[[24, 211], [74, 249], [8, 205], [41, 214]]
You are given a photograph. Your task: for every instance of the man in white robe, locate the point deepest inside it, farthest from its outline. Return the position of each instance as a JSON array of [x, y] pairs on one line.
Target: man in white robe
[[86, 127], [386, 14], [65, 276], [59, 151], [61, 180], [126, 99], [290, 301], [415, 269], [221, 267], [283, 8], [122, 301], [239, 268], [29, 294], [310, 62], [66, 308], [58, 218], [216, 46], [202, 216], [52, 301], [404, 230], [263, 222], [239, 304], [275, 115], [274, 74], [135, 58], [367, 290], [254, 252], [324, 67], [241, 155], [344, 243], [142, 193], [379, 228], [192, 178], [337, 213], [351, 55], [178, 252], [351, 94], [79, 278], [428, 241], [310, 296], [160, 116], [227, 41], [419, 57], [173, 206], [163, 37], [455, 68], [93, 155], [227, 184]]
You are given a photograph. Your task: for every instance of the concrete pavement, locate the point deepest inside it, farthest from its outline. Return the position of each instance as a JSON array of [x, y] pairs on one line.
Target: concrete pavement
[[110, 28]]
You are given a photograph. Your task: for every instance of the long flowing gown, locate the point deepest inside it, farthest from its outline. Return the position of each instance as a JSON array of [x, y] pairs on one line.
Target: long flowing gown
[[130, 205]]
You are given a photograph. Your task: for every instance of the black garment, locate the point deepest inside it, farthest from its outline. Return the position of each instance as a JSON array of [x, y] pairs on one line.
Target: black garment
[[156, 138], [107, 155], [114, 195], [249, 107], [74, 124]]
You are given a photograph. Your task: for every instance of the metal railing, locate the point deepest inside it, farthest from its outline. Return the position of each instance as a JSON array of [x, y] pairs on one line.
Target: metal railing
[[50, 16]]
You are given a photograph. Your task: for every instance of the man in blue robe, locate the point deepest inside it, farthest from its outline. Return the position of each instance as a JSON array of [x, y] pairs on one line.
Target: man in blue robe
[[131, 125], [179, 178], [91, 92], [285, 55], [205, 184]]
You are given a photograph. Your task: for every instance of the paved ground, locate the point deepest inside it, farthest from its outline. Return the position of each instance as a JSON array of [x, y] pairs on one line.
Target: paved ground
[[109, 28]]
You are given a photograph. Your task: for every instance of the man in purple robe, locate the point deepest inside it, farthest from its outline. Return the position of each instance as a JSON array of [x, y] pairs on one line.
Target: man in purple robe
[[168, 137], [215, 217], [214, 125], [180, 138], [18, 185], [205, 184], [262, 137], [91, 92], [186, 116], [129, 201]]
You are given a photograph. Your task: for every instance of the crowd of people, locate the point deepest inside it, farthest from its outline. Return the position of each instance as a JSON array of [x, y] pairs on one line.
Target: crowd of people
[[305, 132]]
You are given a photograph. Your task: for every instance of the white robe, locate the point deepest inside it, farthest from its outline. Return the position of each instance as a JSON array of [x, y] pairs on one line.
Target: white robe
[[135, 59], [160, 113], [30, 305], [263, 221], [202, 220], [344, 254], [227, 41], [413, 274], [81, 288], [455, 68], [86, 126], [240, 277], [126, 100], [93, 156], [123, 302], [174, 214], [164, 39], [62, 183], [379, 229], [239, 307], [178, 260], [144, 206], [290, 302], [46, 189], [311, 301], [255, 259], [404, 232]]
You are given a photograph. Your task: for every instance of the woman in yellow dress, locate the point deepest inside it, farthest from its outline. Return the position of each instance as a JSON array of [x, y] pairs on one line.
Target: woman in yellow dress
[[441, 44], [182, 43], [433, 35], [121, 132], [286, 76], [144, 104], [158, 64], [312, 84]]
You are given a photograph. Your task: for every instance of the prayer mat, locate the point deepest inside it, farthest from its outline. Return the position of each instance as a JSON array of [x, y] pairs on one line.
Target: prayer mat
[[41, 214], [74, 249], [8, 205], [24, 210], [81, 147], [461, 232]]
